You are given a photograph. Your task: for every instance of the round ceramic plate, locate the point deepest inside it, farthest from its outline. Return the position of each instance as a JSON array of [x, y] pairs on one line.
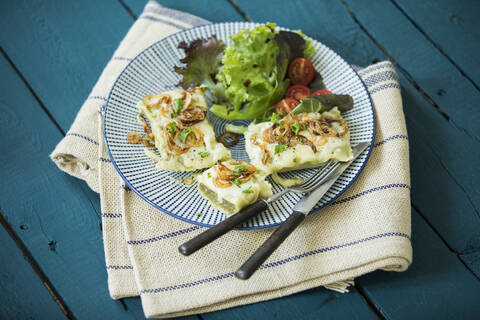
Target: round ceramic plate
[[151, 72]]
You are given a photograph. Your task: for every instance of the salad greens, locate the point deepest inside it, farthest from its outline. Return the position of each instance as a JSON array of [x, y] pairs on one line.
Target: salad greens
[[324, 102], [249, 74], [203, 58], [245, 80]]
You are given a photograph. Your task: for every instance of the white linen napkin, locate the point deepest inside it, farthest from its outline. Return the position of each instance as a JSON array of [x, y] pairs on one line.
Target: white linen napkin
[[366, 229]]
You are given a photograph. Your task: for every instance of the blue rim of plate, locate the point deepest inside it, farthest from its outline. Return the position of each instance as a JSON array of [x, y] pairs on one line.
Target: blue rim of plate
[[314, 210]]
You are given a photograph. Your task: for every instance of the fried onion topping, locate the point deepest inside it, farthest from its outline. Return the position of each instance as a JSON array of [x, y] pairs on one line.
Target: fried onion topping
[[242, 172]]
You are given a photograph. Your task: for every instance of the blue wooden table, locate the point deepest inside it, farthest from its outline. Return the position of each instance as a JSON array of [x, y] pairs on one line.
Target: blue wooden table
[[52, 262]]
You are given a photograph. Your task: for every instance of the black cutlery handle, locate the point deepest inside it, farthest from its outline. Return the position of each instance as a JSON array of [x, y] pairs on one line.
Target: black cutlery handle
[[223, 227], [270, 245]]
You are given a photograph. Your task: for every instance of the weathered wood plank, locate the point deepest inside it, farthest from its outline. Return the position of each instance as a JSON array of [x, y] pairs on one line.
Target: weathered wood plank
[[61, 47], [472, 260], [454, 94], [215, 11], [453, 28], [50, 210], [431, 71], [436, 192], [444, 188], [23, 296], [435, 287]]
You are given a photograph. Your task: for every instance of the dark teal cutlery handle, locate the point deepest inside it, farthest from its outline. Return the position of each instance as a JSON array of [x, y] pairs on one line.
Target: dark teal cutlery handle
[[223, 227], [270, 245]]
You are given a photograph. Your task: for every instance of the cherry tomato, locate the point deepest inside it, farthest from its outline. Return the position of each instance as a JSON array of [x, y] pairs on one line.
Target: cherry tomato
[[301, 71], [297, 91], [321, 92], [286, 105]]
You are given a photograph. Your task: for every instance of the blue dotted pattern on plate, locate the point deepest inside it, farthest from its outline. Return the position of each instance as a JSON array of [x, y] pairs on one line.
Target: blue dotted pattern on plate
[[151, 72]]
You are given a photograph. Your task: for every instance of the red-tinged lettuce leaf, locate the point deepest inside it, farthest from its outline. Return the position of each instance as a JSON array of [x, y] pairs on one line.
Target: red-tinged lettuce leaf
[[291, 45], [203, 57], [317, 82]]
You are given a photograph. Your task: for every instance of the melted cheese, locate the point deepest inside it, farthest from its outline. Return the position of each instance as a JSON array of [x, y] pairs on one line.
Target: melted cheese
[[300, 156], [232, 199], [192, 159]]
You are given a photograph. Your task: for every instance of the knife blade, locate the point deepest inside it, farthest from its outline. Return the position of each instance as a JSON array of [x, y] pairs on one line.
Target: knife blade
[[310, 200]]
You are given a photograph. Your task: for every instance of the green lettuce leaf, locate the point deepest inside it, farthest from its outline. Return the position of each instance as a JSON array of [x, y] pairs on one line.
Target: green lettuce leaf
[[324, 102], [245, 80], [249, 74]]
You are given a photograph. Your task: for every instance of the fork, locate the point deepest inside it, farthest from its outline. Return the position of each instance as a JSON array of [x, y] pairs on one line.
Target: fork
[[250, 211]]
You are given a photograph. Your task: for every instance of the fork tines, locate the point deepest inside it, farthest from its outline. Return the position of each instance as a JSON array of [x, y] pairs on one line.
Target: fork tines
[[320, 176]]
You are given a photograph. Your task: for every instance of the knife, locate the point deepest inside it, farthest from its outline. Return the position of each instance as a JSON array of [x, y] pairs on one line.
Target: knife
[[300, 211]]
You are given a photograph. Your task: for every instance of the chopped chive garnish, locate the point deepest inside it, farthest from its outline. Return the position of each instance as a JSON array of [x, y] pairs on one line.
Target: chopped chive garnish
[[183, 135], [177, 107], [236, 182], [274, 118], [248, 190], [280, 148], [295, 127], [172, 127], [239, 169]]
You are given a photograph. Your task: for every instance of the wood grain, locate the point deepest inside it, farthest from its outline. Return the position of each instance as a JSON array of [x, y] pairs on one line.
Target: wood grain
[[472, 260], [18, 281], [452, 26], [435, 287], [62, 47], [454, 94]]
